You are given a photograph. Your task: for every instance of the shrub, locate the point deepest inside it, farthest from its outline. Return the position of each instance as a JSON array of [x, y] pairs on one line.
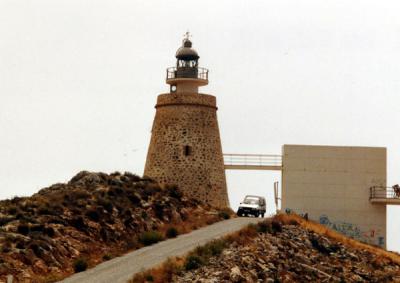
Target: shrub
[[216, 247], [172, 232], [6, 248], [193, 262], [131, 244], [224, 215], [51, 278], [175, 192], [135, 199], [159, 209], [107, 257], [37, 228], [23, 229], [80, 265], [12, 210], [20, 245], [144, 214], [93, 215], [149, 277], [5, 220], [43, 210], [150, 237], [34, 246], [49, 231], [132, 177], [276, 226], [79, 194], [78, 223], [264, 227], [108, 206], [210, 249]]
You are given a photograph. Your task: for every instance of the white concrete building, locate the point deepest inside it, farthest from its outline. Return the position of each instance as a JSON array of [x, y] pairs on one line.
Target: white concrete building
[[341, 187]]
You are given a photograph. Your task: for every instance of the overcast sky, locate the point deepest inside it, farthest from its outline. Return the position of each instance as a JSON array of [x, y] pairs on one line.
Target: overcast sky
[[79, 81]]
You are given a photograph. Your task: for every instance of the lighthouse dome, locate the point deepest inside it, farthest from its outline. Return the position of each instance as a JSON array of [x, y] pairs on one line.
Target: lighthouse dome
[[186, 52]]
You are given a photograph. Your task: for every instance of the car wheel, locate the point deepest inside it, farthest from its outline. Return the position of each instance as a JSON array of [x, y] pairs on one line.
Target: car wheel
[[256, 214], [262, 215], [239, 213]]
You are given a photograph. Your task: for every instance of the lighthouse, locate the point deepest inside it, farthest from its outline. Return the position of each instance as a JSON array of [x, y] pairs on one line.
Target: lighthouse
[[185, 147]]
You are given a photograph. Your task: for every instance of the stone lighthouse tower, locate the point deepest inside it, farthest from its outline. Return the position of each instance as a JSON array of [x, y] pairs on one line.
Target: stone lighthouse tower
[[185, 147]]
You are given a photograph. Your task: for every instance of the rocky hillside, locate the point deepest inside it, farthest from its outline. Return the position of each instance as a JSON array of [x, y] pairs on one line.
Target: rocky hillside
[[284, 249], [93, 217]]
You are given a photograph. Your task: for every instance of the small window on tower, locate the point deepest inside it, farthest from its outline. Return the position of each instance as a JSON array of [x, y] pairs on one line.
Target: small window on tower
[[187, 150]]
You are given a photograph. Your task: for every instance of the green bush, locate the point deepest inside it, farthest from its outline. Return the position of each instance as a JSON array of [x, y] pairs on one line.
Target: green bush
[[193, 262], [172, 232], [80, 265], [150, 237]]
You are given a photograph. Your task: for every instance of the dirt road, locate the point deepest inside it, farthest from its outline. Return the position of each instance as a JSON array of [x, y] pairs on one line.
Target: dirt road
[[121, 269]]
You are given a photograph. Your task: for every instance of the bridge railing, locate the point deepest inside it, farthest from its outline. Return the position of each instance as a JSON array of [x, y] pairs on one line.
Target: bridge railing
[[261, 160]]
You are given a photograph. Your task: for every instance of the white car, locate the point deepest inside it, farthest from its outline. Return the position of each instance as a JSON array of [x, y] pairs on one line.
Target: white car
[[252, 205]]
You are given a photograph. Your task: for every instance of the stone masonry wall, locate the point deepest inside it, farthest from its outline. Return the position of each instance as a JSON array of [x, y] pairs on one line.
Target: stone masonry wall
[[185, 147]]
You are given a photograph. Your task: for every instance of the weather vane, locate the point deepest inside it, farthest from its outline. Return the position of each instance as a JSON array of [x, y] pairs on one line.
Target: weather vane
[[187, 35]]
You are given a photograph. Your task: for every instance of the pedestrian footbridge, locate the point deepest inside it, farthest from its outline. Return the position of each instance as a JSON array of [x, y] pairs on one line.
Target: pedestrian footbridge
[[252, 161]]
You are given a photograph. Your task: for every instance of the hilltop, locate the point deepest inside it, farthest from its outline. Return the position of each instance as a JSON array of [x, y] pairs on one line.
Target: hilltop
[[286, 248], [90, 219]]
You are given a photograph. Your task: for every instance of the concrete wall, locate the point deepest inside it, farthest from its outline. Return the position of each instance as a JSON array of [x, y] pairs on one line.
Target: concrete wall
[[332, 184]]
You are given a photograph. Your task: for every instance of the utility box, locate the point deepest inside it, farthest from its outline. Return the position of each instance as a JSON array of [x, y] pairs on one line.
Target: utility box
[[332, 185]]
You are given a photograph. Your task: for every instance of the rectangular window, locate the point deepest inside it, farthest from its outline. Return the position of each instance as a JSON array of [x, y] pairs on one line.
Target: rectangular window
[[187, 150]]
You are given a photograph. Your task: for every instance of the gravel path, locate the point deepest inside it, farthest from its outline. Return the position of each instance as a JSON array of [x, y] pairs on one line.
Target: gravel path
[[121, 269]]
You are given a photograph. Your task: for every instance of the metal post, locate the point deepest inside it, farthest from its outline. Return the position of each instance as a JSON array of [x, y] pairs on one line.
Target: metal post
[[276, 192]]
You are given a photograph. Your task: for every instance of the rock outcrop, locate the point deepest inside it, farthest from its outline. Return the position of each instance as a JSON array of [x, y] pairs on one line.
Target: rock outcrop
[[94, 216], [291, 253]]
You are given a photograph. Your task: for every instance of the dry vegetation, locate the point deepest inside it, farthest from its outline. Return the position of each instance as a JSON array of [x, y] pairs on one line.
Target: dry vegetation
[[323, 230], [286, 248], [92, 218]]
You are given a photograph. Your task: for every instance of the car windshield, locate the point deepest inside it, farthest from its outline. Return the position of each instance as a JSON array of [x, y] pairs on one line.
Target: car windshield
[[251, 200]]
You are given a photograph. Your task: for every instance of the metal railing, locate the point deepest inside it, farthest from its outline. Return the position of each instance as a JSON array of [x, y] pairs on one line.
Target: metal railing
[[252, 159], [187, 72], [377, 192]]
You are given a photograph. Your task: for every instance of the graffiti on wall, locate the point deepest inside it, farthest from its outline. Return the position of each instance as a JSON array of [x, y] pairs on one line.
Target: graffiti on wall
[[353, 231]]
